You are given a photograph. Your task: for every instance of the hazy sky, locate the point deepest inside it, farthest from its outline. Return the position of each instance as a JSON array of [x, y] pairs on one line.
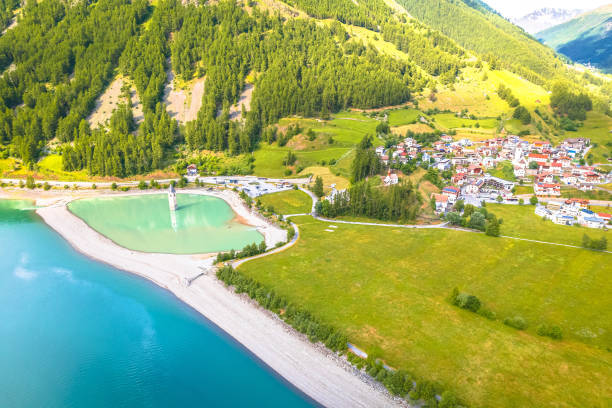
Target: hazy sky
[[518, 8]]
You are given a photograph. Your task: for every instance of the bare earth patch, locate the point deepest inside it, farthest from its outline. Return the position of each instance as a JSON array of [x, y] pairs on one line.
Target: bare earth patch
[[245, 100], [110, 99], [183, 104], [106, 103]]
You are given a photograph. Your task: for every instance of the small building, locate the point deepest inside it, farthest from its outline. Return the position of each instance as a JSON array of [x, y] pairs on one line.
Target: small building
[[452, 193], [544, 189], [390, 179], [562, 219], [593, 222], [543, 212], [192, 170], [442, 203], [519, 171]]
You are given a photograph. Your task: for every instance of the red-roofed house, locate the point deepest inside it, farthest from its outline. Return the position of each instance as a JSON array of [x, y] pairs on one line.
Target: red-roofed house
[[546, 189]]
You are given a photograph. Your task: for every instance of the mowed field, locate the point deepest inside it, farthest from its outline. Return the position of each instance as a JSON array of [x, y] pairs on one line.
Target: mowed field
[[521, 221], [288, 202], [387, 289]]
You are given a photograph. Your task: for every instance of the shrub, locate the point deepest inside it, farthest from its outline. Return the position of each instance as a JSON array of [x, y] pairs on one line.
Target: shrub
[[142, 185], [468, 302], [533, 200], [46, 186], [597, 244], [448, 400], [93, 187], [554, 332], [114, 186], [488, 313], [30, 182], [517, 322]]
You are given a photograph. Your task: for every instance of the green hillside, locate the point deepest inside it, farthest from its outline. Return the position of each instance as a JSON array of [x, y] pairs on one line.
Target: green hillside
[[298, 58], [477, 28], [585, 39]]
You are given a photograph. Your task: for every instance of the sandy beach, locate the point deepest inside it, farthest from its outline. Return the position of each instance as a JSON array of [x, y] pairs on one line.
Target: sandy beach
[[326, 378]]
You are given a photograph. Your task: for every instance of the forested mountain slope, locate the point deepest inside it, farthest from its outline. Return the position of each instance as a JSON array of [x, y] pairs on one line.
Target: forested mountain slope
[[320, 58], [585, 39], [487, 33]]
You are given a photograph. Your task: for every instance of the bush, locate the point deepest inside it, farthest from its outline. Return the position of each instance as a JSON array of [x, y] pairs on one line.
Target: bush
[[489, 314], [30, 182], [468, 302], [93, 187], [448, 400], [596, 244], [517, 322], [114, 186], [554, 332], [533, 200], [142, 185], [46, 186]]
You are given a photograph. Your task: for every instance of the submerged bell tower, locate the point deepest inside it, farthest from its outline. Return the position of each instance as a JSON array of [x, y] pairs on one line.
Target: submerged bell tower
[[172, 198]]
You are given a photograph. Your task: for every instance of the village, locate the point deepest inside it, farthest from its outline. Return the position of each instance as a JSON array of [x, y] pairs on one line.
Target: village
[[539, 164]]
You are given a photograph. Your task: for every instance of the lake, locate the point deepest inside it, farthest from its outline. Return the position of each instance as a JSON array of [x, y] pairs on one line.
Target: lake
[[77, 333]]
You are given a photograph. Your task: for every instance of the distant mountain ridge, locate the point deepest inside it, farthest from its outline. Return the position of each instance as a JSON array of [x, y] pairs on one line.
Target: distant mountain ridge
[[586, 39], [544, 18]]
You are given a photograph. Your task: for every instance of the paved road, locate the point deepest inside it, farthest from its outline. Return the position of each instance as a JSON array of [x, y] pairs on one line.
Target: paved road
[[288, 245], [208, 180]]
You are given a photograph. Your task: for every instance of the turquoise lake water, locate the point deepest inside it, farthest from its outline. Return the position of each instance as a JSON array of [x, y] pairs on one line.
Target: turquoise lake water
[[77, 333], [200, 224]]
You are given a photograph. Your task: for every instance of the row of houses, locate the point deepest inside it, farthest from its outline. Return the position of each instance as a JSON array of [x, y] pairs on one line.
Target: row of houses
[[573, 212]]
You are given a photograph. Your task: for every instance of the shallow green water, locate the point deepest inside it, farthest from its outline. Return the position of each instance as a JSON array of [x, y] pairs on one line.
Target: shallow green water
[[144, 223]]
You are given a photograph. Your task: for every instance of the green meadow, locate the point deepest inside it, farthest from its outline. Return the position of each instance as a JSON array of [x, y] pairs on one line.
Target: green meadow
[[521, 221], [288, 202], [597, 128], [401, 117], [451, 121], [387, 288], [334, 139]]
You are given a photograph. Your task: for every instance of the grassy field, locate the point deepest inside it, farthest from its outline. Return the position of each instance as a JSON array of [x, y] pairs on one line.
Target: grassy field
[[386, 288], [401, 117], [597, 128], [48, 168], [504, 170], [529, 94], [478, 97], [328, 177], [523, 189], [451, 121], [346, 129], [570, 192], [521, 221], [288, 202], [514, 126]]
